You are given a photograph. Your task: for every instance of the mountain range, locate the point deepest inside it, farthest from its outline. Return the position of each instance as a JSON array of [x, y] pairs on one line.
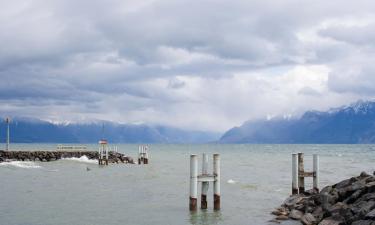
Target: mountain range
[[351, 124], [29, 130], [345, 125]]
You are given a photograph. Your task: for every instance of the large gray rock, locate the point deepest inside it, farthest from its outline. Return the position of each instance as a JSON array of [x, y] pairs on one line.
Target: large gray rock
[[295, 214], [364, 222], [308, 219]]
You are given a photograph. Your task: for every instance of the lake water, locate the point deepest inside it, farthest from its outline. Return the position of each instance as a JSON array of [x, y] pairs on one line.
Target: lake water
[[65, 193]]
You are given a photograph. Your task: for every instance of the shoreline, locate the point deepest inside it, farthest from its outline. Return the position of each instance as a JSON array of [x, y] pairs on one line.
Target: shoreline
[[349, 202], [47, 156]]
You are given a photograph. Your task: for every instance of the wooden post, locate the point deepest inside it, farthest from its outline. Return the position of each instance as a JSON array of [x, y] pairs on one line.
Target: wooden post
[[193, 182], [316, 172], [217, 182], [301, 171], [294, 173], [205, 184]]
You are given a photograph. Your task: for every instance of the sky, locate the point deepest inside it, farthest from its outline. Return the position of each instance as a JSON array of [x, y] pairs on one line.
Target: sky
[[199, 65]]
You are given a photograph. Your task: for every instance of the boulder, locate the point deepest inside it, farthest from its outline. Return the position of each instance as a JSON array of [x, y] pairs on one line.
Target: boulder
[[308, 219], [295, 214]]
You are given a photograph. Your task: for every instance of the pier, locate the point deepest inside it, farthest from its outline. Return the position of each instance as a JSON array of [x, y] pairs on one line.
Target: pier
[[47, 156]]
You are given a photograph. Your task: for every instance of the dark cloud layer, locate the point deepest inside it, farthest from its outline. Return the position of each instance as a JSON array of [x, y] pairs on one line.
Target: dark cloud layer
[[194, 64]]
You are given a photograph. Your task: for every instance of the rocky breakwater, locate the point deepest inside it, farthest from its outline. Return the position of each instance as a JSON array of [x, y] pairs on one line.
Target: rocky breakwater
[[349, 202], [46, 156]]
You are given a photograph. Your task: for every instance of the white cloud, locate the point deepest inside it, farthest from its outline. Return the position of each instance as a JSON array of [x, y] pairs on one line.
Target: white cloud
[[201, 65]]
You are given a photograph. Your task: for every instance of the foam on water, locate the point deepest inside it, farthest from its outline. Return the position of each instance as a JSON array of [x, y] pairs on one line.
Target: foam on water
[[82, 159], [230, 181], [21, 164]]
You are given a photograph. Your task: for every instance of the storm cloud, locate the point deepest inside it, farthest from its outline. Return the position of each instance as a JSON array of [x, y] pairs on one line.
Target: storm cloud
[[206, 65]]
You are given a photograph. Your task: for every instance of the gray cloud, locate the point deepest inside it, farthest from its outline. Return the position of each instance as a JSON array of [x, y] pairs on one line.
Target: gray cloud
[[203, 65]]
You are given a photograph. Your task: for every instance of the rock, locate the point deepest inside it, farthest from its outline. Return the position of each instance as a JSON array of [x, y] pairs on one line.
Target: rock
[[292, 201], [364, 222], [282, 217], [362, 208], [295, 214], [279, 212], [370, 187], [371, 215], [308, 219], [332, 221], [364, 174]]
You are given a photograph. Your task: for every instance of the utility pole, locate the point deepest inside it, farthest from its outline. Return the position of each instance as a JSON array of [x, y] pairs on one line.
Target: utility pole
[[7, 121]]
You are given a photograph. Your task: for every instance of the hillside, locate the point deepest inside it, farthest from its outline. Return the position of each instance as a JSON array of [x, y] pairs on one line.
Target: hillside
[[348, 125]]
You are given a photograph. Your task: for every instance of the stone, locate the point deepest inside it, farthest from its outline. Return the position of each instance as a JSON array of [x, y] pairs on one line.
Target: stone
[[292, 201], [308, 219], [364, 174], [364, 222], [295, 214], [331, 221], [282, 217], [371, 215]]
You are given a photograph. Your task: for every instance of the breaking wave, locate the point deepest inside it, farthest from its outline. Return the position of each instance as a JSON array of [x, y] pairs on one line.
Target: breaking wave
[[82, 159], [230, 181], [21, 164]]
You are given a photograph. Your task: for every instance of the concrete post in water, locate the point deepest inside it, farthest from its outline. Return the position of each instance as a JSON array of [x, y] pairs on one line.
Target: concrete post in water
[[143, 154], [205, 184], [301, 171], [316, 172], [145, 160], [217, 182], [294, 173], [193, 182]]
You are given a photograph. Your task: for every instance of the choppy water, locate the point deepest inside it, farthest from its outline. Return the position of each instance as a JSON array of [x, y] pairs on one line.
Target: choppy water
[[255, 179]]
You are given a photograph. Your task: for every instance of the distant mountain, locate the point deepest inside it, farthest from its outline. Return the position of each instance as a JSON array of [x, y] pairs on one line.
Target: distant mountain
[[26, 130], [348, 125]]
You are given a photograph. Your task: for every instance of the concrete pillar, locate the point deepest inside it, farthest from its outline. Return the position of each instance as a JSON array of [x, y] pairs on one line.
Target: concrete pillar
[[193, 182], [205, 185], [316, 172], [294, 173], [301, 171], [217, 182]]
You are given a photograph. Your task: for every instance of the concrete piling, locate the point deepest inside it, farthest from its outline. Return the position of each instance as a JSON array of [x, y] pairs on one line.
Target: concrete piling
[[204, 178], [143, 154], [205, 184], [299, 174], [294, 173], [316, 172], [217, 182], [193, 182], [301, 171]]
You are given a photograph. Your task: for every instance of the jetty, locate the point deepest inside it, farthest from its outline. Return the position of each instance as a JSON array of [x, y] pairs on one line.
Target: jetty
[[47, 156]]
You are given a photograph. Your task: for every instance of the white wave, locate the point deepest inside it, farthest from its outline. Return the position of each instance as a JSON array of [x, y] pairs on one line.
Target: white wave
[[82, 159], [230, 181], [21, 164]]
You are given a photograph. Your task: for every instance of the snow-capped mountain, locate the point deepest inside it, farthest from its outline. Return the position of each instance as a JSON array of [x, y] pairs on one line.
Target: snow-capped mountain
[[29, 130], [348, 124]]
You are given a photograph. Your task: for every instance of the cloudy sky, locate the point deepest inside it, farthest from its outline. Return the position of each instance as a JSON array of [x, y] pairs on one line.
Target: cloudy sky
[[207, 65]]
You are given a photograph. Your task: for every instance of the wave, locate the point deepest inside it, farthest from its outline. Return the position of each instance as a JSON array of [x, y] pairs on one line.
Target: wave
[[230, 181], [82, 159], [21, 164]]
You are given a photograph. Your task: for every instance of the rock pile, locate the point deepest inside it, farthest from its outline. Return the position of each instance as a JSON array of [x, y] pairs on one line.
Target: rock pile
[[46, 156], [349, 202]]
